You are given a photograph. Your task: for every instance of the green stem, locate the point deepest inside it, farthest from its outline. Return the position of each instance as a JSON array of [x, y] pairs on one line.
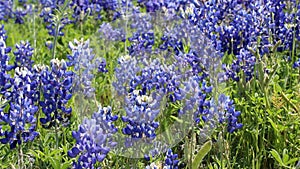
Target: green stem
[[20, 160], [57, 25], [289, 102], [55, 40], [56, 136], [266, 97], [191, 147]]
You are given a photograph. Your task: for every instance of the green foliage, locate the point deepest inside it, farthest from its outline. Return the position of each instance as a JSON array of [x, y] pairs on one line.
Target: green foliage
[[201, 154]]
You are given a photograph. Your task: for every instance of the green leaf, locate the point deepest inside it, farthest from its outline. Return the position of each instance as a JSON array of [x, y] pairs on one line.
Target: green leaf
[[55, 163], [273, 124], [201, 154], [66, 165], [277, 157], [293, 160], [276, 46], [35, 154], [177, 119], [285, 156]]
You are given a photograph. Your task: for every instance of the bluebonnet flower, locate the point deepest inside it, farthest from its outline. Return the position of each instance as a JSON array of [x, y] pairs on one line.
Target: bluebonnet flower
[[46, 13], [150, 87], [21, 114], [151, 166], [125, 9], [59, 24], [213, 16], [296, 64], [101, 65], [141, 111], [5, 79], [142, 39], [221, 111], [80, 8], [171, 161], [94, 138], [109, 33], [141, 43], [256, 24], [95, 7], [131, 66], [6, 10], [57, 91], [18, 13], [3, 33], [245, 62], [49, 44], [23, 55], [85, 63], [191, 96], [109, 4], [158, 5], [152, 5], [54, 15], [21, 12]]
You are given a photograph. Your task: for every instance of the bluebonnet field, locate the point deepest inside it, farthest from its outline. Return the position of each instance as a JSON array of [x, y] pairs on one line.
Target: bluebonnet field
[[150, 84]]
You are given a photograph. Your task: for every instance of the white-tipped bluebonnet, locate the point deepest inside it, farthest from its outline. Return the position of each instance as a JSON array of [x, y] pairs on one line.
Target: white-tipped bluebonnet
[[3, 33], [142, 38], [17, 11], [85, 65], [81, 8], [141, 111], [94, 138], [151, 166], [171, 161], [23, 55], [6, 10], [54, 15], [57, 91], [151, 87], [123, 78], [5, 79], [19, 14], [101, 65], [49, 44], [252, 20], [21, 115]]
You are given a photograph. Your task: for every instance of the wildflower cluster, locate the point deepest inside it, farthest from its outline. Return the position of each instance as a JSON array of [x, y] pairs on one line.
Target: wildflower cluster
[[57, 91], [157, 5], [17, 12], [55, 16], [109, 33], [94, 138], [85, 63], [235, 26], [22, 109], [83, 8], [220, 111], [22, 92]]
